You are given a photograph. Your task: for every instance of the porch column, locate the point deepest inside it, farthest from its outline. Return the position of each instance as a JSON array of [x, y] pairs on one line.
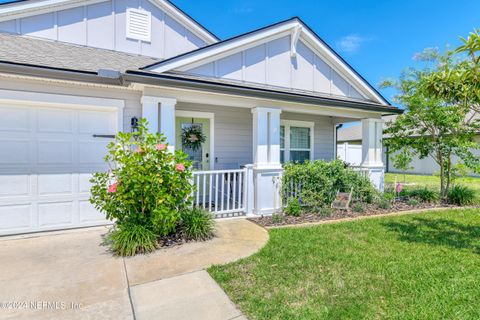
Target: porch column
[[267, 170], [160, 114], [372, 131]]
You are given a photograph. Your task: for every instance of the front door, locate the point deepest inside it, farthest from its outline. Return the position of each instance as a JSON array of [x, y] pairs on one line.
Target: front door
[[200, 156]]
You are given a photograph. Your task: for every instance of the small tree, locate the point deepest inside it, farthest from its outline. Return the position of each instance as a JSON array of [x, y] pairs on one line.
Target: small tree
[[442, 111], [402, 160]]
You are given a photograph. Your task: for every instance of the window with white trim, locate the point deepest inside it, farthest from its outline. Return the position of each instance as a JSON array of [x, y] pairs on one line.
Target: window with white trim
[[296, 141]]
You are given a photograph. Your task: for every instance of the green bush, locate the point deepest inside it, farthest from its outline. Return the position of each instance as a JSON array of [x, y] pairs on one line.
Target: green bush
[[147, 185], [277, 218], [413, 202], [319, 181], [293, 207], [130, 239], [384, 204], [425, 194], [197, 224], [462, 196], [358, 207], [325, 212]]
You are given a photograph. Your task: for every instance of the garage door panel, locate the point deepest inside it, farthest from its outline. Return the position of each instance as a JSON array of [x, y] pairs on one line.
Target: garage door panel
[[92, 152], [84, 184], [55, 214], [55, 120], [47, 157], [14, 151], [15, 217], [55, 152], [14, 185], [90, 122], [88, 213], [18, 119], [55, 184]]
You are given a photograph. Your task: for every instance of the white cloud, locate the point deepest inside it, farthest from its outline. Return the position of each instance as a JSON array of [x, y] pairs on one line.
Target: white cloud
[[351, 43]]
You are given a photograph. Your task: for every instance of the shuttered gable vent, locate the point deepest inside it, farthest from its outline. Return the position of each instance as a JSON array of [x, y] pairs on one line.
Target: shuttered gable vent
[[139, 24]]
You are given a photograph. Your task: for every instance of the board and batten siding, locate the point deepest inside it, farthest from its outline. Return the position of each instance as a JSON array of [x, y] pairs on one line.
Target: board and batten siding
[[103, 25], [271, 64]]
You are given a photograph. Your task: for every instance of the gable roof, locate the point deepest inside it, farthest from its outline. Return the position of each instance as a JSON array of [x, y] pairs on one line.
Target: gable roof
[[294, 26], [23, 8], [34, 51]]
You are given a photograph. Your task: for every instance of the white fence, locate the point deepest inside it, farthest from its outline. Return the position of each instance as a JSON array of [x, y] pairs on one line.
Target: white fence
[[350, 153], [222, 192]]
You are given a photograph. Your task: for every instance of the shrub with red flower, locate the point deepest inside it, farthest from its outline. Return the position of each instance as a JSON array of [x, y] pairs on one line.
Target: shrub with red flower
[[147, 186]]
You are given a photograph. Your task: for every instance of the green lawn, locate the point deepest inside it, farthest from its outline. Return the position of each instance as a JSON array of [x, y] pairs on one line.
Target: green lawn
[[424, 266], [430, 181]]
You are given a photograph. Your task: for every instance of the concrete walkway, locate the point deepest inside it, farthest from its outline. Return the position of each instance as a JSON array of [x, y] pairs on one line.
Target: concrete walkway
[[70, 276]]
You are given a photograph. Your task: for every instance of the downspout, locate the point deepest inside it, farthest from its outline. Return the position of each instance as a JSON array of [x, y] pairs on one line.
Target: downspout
[[337, 127]]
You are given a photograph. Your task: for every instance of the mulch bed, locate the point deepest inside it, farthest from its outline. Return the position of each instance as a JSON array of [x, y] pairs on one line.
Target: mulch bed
[[336, 214]]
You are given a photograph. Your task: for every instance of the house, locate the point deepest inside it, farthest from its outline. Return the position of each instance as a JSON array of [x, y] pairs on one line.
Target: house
[[73, 73], [349, 149]]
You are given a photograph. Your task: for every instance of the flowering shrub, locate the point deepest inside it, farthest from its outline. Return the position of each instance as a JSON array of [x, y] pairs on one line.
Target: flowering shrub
[[146, 186]]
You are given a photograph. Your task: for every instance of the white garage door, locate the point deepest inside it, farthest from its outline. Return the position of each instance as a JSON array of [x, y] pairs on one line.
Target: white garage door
[[47, 156]]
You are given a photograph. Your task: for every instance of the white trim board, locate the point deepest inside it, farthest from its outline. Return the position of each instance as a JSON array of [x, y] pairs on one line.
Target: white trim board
[[302, 124], [202, 115]]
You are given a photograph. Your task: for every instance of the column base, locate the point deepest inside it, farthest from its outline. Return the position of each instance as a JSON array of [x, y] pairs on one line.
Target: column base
[[267, 193]]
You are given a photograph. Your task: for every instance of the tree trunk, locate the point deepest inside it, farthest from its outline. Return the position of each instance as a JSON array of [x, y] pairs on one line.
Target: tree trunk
[[448, 173], [442, 174]]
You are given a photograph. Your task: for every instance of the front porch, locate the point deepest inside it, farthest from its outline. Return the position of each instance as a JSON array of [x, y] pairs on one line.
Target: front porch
[[238, 168]]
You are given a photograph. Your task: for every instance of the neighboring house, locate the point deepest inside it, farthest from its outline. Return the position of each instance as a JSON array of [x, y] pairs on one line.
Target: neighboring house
[[73, 73], [349, 149]]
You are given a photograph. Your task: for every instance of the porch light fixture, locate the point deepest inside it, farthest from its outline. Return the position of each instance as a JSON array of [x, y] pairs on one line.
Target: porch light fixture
[[134, 124]]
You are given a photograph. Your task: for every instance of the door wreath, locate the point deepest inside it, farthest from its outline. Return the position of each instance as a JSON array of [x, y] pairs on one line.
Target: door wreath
[[193, 137]]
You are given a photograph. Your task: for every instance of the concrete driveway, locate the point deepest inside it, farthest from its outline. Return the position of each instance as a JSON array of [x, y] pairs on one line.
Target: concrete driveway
[[70, 275]]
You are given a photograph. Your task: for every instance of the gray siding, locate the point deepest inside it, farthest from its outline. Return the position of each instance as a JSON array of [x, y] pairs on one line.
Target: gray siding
[[323, 139], [233, 134], [103, 25], [271, 64]]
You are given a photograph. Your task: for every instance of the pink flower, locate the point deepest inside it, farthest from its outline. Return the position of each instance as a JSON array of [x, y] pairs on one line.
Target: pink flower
[[180, 167], [112, 188], [139, 150], [161, 147], [399, 188]]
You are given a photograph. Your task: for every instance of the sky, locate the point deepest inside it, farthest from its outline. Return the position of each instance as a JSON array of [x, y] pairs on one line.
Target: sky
[[378, 38]]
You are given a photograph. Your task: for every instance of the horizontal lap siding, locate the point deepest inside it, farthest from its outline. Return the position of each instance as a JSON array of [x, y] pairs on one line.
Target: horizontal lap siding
[[233, 134], [323, 133]]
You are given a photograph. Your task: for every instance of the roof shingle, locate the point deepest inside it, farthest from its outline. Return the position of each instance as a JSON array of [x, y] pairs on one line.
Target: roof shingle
[[35, 51]]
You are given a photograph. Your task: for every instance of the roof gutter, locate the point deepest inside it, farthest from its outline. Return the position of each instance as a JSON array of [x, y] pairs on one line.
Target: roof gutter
[[204, 85], [57, 73]]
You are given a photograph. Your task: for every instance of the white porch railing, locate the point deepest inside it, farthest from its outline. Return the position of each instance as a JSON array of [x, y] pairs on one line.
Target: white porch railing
[[222, 192], [361, 170]]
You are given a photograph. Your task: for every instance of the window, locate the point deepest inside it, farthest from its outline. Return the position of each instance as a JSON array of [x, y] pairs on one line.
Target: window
[[139, 24], [296, 141]]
